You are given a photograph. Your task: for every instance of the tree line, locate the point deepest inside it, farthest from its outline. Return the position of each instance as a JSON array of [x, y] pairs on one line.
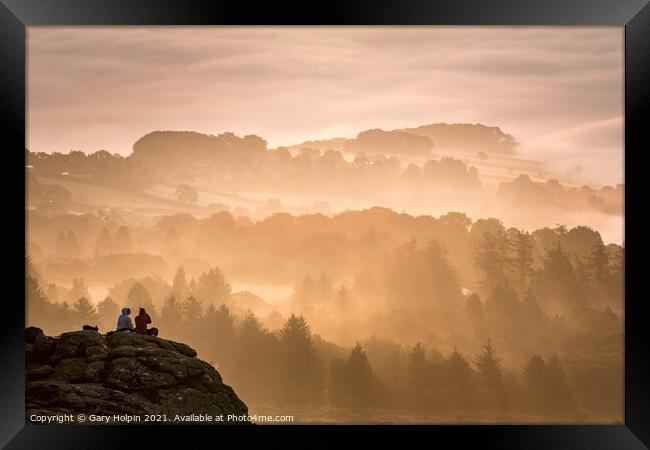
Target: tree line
[[285, 367]]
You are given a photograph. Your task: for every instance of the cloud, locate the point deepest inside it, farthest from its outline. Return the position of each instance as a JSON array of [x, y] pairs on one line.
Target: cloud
[[91, 88]]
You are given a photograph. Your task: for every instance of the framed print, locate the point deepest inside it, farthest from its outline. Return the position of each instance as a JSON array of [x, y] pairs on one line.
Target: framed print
[[407, 221]]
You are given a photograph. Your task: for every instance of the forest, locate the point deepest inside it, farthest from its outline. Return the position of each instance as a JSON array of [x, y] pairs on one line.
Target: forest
[[478, 174], [384, 316]]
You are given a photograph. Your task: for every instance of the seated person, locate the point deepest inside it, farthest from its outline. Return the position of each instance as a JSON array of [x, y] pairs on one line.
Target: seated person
[[124, 322], [141, 321]]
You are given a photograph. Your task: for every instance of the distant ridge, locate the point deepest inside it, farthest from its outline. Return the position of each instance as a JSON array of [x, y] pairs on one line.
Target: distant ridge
[[465, 137]]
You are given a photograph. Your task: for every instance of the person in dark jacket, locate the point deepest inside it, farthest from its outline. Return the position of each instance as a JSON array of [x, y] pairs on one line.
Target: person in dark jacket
[[141, 321]]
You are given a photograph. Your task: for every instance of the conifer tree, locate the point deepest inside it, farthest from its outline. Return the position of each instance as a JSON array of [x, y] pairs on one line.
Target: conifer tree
[[301, 362], [108, 311], [491, 257], [488, 365], [84, 312], [598, 263]]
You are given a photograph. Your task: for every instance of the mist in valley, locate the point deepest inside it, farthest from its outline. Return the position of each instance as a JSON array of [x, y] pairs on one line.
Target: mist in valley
[[371, 235], [327, 307]]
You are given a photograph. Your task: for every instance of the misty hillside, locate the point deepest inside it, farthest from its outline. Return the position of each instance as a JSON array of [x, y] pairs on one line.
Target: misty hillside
[[287, 204], [383, 275], [199, 174], [468, 137], [320, 279], [383, 310], [460, 137]]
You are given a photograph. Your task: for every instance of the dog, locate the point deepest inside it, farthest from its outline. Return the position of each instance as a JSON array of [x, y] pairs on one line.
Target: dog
[[88, 327]]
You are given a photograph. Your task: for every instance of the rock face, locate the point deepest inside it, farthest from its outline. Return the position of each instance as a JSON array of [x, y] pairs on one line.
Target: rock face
[[84, 372]]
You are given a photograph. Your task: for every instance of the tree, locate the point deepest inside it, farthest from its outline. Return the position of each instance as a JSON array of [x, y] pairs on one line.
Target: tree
[[84, 312], [361, 159], [530, 309], [582, 275], [180, 286], [548, 387], [557, 264], [324, 288], [557, 280], [560, 394], [193, 288], [598, 263], [421, 276], [224, 322], [460, 372], [219, 333], [305, 292], [171, 315], [66, 314], [332, 159], [618, 263], [250, 331], [274, 320], [139, 297], [213, 287], [192, 311], [460, 376], [38, 307], [108, 312], [257, 362], [417, 366], [301, 363], [171, 310], [351, 382], [488, 365], [412, 176], [560, 229], [79, 289], [186, 194], [503, 300], [536, 374], [521, 246], [417, 355], [359, 366], [491, 257], [457, 219]]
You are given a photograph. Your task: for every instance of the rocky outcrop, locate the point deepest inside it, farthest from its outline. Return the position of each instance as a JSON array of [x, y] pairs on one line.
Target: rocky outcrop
[[84, 372]]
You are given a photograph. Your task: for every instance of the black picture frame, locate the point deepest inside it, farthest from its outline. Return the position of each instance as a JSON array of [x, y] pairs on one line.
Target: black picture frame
[[634, 15]]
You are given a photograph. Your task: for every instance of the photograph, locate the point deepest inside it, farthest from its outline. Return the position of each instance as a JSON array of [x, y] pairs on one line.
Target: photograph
[[325, 225]]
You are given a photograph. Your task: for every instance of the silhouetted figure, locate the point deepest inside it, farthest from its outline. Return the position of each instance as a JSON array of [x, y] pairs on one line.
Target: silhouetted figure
[[124, 322], [88, 327], [141, 322]]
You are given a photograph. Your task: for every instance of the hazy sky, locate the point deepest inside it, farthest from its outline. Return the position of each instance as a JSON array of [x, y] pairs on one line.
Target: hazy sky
[[558, 90]]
